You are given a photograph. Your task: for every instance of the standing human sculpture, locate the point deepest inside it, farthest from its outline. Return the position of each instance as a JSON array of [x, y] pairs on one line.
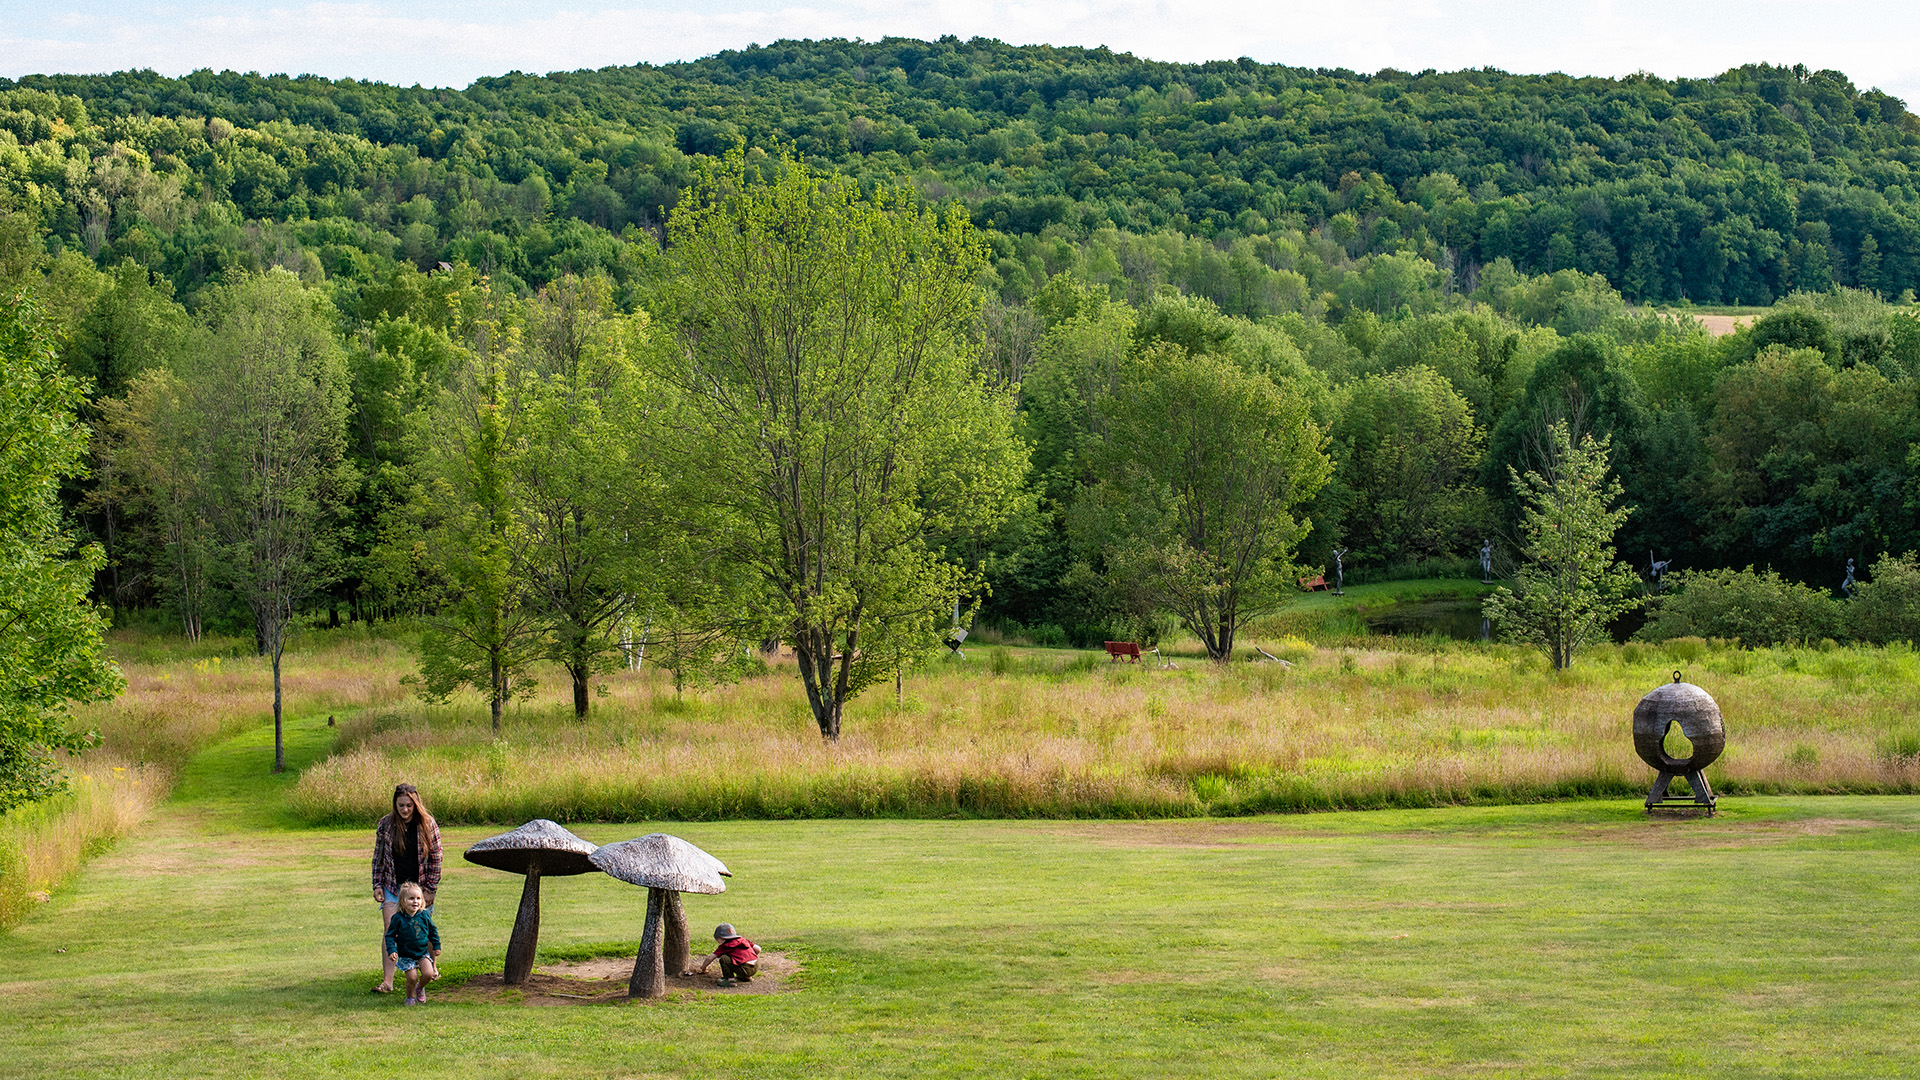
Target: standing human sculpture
[[1657, 569], [1339, 572], [1846, 586], [1486, 563]]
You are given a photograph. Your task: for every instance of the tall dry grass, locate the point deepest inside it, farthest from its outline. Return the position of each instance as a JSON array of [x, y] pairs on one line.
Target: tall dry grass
[[41, 844], [1038, 733], [174, 706]]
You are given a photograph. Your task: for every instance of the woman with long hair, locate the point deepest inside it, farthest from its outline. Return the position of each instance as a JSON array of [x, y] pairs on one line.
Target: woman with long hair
[[406, 847]]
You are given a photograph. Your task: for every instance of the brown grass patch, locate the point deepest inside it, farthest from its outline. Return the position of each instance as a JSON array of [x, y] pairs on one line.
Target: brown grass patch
[[603, 981]]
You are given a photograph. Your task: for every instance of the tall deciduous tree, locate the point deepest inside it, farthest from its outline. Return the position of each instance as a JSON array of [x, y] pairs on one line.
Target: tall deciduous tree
[[587, 496], [834, 415], [1409, 455], [148, 463], [49, 634], [269, 390], [1570, 586], [1203, 468], [487, 629]]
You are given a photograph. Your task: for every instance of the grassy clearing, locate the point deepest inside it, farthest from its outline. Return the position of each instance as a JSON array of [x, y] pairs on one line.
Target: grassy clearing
[[1044, 733], [1521, 941], [180, 698]]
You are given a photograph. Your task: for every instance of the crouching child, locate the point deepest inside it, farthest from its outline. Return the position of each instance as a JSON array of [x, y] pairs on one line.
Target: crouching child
[[738, 957], [413, 942]]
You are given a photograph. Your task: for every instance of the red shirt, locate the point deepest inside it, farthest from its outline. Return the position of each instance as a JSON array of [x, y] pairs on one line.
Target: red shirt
[[737, 950]]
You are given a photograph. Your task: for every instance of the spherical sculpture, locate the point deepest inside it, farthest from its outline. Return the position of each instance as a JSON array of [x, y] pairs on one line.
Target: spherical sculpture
[[1699, 718]]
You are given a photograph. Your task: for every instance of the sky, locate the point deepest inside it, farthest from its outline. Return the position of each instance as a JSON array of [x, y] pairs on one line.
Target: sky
[[453, 42]]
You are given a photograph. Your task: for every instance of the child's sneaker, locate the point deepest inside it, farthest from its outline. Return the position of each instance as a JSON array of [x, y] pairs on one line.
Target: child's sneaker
[[409, 1001]]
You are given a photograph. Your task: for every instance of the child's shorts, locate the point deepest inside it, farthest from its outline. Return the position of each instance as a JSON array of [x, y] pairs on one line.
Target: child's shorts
[[742, 972], [408, 963]]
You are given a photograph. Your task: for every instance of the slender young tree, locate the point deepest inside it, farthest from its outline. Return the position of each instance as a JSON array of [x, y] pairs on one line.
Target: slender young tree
[[50, 648], [833, 418], [269, 392], [487, 628], [1570, 587]]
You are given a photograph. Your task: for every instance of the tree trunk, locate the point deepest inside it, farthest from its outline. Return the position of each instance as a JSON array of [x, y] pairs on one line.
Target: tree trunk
[[649, 968], [496, 694], [816, 674], [579, 691], [675, 948], [279, 742], [526, 929]]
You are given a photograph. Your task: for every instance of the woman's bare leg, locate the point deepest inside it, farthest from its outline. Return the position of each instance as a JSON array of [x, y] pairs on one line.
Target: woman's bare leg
[[386, 916]]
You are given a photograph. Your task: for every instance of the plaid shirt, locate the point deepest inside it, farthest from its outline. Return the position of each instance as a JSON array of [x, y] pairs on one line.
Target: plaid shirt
[[384, 843]]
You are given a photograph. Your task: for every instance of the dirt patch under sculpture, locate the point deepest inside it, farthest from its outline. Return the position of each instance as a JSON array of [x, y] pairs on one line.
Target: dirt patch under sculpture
[[603, 981]]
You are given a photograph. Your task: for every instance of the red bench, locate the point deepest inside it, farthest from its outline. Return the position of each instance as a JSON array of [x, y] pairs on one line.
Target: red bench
[[1317, 581], [1118, 649]]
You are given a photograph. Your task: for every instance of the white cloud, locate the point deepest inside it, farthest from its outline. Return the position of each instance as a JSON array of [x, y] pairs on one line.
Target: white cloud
[[439, 42]]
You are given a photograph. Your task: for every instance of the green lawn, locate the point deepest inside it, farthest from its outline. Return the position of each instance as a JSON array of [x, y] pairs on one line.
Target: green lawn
[[1573, 939]]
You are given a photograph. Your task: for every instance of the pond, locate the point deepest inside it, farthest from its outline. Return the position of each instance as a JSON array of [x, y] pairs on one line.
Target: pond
[[1450, 618]]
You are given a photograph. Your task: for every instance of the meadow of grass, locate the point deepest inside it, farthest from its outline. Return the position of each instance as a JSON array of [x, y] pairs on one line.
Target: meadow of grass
[[181, 697], [1013, 732], [1357, 722], [225, 939]]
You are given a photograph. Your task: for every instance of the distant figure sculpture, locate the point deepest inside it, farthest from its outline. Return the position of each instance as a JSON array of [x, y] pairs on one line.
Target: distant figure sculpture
[[1486, 563], [1340, 572], [1847, 585], [1659, 571]]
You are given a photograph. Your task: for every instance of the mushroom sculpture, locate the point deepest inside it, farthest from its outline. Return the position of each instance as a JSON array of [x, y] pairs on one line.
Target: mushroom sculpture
[[667, 866], [537, 849]]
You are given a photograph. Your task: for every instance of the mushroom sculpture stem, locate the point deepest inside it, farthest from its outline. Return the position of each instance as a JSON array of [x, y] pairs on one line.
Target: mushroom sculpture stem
[[650, 966], [537, 849], [675, 953], [525, 941], [666, 866]]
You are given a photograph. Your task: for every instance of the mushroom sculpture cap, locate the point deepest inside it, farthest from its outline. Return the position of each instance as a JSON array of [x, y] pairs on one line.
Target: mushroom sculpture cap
[[540, 842], [1698, 716], [659, 861]]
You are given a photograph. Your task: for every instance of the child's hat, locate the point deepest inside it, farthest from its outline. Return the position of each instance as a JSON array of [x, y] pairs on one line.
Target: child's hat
[[723, 932]]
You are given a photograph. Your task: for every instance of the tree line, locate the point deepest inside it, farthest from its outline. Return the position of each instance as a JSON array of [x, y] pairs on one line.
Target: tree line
[[1740, 188]]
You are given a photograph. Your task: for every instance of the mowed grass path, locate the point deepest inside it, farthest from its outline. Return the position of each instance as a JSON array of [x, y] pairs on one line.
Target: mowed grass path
[[1565, 940]]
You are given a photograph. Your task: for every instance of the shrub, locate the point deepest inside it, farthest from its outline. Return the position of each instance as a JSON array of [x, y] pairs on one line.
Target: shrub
[[1887, 608], [1048, 636], [1759, 607]]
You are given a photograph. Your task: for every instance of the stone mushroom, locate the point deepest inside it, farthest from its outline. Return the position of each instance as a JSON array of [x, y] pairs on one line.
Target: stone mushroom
[[667, 866], [537, 849]]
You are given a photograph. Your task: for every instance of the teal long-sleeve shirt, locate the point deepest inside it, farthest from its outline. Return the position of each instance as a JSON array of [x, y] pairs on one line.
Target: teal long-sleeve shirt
[[411, 936]]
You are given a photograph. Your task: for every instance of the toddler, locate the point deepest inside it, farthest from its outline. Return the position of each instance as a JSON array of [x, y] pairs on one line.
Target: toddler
[[736, 954], [413, 941]]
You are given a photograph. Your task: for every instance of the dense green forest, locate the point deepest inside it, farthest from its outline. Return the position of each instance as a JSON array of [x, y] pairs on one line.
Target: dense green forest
[[1736, 189], [1410, 273]]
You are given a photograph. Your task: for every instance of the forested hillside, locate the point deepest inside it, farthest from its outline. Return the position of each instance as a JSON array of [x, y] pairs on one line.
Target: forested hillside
[[1388, 282], [1737, 189]]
